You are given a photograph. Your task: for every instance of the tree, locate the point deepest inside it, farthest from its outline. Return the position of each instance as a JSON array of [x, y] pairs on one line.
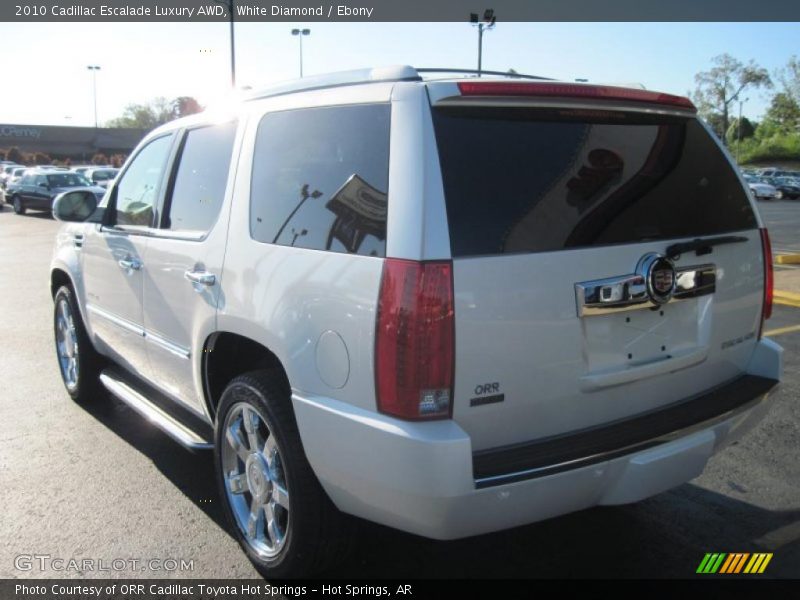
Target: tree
[[735, 133], [99, 159], [145, 116], [156, 112], [784, 111], [15, 154], [789, 77], [722, 85], [185, 106], [40, 158]]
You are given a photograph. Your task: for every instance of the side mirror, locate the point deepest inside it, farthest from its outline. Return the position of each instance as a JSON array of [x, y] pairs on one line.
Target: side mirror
[[75, 206]]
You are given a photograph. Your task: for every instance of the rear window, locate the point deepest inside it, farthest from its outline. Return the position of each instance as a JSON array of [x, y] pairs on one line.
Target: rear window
[[535, 180], [320, 179]]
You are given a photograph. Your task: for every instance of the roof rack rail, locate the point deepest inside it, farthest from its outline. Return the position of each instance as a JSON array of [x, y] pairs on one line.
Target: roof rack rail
[[483, 72], [339, 79]]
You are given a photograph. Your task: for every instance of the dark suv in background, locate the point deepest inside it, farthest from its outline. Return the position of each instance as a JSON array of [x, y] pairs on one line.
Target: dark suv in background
[[37, 189]]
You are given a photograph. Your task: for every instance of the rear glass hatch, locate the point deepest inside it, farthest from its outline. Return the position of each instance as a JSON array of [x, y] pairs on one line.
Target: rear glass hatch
[[545, 201]]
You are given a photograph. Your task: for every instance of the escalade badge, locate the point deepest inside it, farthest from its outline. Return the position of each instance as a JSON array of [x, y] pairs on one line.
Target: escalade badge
[[659, 275]]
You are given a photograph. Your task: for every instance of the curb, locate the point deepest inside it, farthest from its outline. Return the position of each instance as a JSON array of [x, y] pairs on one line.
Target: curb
[[787, 259], [786, 298]]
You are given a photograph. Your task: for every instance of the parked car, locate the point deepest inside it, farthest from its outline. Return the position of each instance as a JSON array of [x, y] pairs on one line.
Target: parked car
[[38, 187], [761, 189], [15, 175], [6, 171], [82, 169], [101, 177], [517, 312], [771, 172], [787, 187]]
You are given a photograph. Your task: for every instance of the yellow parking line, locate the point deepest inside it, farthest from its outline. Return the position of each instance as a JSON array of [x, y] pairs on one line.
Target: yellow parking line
[[782, 330], [786, 298], [787, 259]]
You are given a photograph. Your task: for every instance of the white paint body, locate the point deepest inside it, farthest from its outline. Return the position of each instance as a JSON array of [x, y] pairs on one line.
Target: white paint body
[[516, 323]]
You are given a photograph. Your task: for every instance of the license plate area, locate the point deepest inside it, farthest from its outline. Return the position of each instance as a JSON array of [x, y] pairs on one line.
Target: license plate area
[[630, 338]]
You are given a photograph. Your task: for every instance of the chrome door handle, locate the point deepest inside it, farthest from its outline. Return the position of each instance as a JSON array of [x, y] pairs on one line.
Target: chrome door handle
[[130, 264], [200, 277]]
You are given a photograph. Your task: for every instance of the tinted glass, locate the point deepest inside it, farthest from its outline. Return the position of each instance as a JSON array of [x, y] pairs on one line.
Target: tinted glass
[[320, 179], [67, 180], [136, 193], [201, 178], [527, 180], [103, 175], [26, 180]]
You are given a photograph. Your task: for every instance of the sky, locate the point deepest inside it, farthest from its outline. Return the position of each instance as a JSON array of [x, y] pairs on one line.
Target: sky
[[46, 81]]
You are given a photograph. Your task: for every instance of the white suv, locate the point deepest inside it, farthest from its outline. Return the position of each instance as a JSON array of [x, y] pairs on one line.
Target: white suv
[[450, 305]]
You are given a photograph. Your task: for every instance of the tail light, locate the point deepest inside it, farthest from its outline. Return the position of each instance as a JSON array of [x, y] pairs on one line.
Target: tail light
[[769, 278], [572, 90], [415, 345]]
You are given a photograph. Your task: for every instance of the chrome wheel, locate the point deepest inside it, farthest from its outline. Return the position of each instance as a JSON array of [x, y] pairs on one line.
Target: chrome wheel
[[67, 344], [255, 482]]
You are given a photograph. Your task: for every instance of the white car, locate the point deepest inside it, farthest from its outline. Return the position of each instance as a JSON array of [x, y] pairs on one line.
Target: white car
[[449, 306], [763, 191]]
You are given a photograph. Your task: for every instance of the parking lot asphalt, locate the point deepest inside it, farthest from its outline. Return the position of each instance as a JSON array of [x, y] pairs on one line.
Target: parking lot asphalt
[[100, 483]]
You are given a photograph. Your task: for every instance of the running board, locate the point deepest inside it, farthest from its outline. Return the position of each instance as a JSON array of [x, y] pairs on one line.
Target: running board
[[169, 424]]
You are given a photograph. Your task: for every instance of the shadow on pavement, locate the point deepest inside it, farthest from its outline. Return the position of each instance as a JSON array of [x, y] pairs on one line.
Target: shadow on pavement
[[192, 473], [664, 536]]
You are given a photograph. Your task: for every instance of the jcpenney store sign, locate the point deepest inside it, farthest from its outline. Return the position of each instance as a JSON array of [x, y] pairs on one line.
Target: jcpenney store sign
[[12, 131]]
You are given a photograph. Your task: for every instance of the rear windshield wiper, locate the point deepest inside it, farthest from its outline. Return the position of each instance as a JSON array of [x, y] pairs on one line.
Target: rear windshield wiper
[[702, 245]]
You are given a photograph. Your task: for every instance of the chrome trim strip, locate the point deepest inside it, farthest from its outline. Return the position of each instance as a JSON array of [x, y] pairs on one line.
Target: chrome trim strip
[[161, 419], [629, 292], [625, 450], [167, 345], [118, 321]]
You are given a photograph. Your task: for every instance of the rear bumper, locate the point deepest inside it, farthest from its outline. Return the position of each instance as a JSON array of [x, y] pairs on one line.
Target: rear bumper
[[423, 477]]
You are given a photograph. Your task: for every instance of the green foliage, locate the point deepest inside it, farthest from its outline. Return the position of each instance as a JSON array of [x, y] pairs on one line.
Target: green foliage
[[734, 133], [156, 112], [781, 146], [723, 84], [784, 112]]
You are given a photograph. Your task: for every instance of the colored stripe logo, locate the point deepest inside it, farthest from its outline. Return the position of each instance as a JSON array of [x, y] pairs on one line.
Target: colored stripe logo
[[734, 563]]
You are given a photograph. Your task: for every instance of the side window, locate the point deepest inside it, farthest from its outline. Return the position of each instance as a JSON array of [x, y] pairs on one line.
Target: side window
[[200, 180], [40, 179], [25, 180], [136, 193], [320, 179]]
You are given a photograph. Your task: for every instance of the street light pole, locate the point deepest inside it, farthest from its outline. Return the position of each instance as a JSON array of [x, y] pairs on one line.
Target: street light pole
[[231, 6], [485, 24], [739, 130], [300, 33], [94, 69]]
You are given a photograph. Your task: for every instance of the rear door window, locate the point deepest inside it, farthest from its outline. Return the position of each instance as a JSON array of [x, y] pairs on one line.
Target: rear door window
[[534, 180], [201, 178], [320, 179]]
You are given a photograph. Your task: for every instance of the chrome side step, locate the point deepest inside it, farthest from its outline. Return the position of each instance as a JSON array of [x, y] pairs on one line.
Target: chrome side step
[[155, 414]]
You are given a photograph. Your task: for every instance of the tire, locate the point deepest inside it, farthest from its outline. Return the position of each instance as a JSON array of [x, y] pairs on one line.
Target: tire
[[19, 207], [306, 534], [78, 361]]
